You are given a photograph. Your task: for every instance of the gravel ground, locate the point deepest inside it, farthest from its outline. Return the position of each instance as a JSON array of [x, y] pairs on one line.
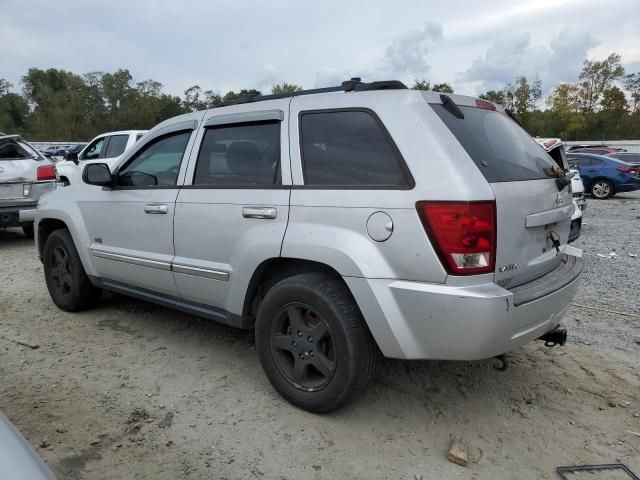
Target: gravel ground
[[91, 397]]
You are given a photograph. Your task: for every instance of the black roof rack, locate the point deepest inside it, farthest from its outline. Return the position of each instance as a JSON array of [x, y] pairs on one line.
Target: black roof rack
[[353, 85]]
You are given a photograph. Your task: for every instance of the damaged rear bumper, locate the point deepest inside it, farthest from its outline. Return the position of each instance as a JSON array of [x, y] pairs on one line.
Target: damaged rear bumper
[[415, 320]]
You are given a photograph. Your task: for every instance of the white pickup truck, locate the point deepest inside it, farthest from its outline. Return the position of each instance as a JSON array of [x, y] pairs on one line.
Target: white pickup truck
[[105, 148]]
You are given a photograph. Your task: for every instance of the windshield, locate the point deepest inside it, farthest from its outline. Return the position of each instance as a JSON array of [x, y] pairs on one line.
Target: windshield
[[501, 149], [16, 149]]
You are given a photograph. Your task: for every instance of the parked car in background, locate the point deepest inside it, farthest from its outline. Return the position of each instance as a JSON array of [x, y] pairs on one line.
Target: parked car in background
[[317, 219], [596, 149], [106, 148], [25, 175], [55, 150], [555, 149], [72, 153], [632, 158], [604, 176], [18, 460]]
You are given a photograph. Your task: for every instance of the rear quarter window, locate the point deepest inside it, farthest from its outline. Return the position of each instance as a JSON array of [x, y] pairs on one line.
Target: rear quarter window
[[501, 149], [350, 148]]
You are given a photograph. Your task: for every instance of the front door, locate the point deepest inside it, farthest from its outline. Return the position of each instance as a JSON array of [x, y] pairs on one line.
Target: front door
[[232, 212], [131, 224]]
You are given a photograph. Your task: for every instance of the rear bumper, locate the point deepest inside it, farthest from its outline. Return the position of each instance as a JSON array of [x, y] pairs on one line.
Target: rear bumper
[[427, 321], [17, 216]]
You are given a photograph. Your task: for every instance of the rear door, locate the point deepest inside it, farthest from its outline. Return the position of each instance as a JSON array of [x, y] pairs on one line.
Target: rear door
[[232, 212], [531, 211]]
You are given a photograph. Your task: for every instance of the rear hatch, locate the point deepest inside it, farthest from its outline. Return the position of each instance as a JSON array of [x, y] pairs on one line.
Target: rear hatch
[[531, 211]]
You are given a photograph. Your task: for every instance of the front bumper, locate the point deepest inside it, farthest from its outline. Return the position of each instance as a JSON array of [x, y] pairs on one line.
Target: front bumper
[[427, 321]]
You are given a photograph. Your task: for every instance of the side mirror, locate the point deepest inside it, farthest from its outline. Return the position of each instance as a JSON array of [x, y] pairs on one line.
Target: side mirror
[[71, 156], [97, 174]]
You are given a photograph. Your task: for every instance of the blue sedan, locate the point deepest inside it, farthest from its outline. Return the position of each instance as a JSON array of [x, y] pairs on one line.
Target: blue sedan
[[605, 176]]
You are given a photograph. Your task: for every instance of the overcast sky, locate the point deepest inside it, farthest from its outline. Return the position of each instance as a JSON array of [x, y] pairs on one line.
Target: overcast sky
[[224, 45]]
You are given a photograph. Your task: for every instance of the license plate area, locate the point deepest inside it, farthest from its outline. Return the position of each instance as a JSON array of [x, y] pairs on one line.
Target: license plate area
[[9, 191]]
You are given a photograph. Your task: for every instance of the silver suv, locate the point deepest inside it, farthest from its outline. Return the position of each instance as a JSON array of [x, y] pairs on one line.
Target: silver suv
[[25, 175], [338, 223]]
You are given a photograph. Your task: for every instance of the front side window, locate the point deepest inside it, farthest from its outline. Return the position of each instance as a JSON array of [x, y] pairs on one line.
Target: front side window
[[246, 154], [157, 163], [349, 148], [116, 146], [94, 150]]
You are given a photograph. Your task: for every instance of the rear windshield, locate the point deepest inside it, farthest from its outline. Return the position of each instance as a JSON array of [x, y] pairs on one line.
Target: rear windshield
[[15, 149], [499, 147]]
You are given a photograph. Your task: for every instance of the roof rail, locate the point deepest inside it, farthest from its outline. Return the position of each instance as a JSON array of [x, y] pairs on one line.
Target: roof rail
[[353, 85]]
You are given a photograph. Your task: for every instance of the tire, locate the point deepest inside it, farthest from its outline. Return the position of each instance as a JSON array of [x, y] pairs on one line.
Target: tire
[[67, 282], [313, 343], [602, 189], [28, 231]]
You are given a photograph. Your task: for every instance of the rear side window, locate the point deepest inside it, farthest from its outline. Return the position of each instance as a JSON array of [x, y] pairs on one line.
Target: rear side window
[[12, 150], [116, 146], [349, 148], [245, 154], [499, 147], [581, 161]]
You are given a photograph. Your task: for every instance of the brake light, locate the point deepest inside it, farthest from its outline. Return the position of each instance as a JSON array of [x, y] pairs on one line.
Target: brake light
[[484, 104], [631, 170], [462, 233], [46, 172]]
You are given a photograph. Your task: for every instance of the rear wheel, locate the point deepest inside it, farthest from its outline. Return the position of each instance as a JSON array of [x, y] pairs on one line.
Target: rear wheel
[[602, 189], [67, 282], [28, 231], [313, 343]]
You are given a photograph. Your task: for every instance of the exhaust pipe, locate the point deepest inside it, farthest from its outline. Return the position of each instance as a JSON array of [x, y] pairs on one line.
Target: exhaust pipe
[[557, 336]]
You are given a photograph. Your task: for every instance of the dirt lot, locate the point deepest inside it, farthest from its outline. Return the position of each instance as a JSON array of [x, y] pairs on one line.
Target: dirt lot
[[91, 397]]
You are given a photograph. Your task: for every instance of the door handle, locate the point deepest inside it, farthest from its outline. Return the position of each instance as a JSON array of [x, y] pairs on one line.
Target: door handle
[[259, 212], [156, 208]]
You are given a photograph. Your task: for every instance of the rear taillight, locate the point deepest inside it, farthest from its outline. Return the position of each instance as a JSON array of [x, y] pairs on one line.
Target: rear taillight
[[462, 233], [631, 170], [46, 172]]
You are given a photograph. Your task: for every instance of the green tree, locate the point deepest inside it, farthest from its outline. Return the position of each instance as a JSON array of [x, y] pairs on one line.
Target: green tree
[[5, 86], [565, 105], [443, 87], [495, 96], [596, 77], [421, 85], [231, 95], [285, 88], [632, 85]]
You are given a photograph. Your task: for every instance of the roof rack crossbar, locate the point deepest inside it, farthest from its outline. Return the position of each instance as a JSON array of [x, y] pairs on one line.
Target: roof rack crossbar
[[354, 84]]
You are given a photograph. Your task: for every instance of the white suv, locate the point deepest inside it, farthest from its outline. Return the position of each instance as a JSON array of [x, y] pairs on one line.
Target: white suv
[[105, 148], [337, 223]]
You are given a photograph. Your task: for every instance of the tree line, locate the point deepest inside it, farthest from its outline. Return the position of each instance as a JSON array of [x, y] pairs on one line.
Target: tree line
[[55, 104]]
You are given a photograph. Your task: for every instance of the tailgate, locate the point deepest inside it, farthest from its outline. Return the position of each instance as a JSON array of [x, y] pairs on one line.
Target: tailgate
[[528, 213], [531, 212]]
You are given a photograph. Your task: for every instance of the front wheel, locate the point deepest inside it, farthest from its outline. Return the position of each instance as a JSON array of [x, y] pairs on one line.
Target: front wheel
[[67, 282], [602, 189], [313, 343]]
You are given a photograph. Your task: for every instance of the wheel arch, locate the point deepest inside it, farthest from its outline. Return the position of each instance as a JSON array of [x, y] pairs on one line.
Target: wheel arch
[[273, 270], [46, 226]]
